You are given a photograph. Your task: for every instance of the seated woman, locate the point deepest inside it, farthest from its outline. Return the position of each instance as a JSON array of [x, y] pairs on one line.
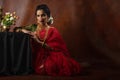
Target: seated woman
[[50, 54]]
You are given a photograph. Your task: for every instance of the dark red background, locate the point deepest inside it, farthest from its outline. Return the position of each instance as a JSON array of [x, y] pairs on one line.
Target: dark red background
[[90, 28]]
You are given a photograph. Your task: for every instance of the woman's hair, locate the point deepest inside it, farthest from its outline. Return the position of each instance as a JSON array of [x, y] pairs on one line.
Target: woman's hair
[[43, 7]]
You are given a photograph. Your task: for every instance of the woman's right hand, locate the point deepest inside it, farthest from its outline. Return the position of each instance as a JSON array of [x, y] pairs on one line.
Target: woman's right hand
[[33, 35]]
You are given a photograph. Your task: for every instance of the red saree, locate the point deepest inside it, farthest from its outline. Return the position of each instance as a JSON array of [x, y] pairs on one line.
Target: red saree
[[55, 62]]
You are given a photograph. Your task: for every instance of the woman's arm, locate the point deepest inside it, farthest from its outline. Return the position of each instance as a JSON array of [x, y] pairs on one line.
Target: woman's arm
[[33, 35], [26, 31], [36, 38]]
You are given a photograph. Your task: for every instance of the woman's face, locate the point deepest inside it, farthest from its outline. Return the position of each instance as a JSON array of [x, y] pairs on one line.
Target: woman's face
[[42, 17]]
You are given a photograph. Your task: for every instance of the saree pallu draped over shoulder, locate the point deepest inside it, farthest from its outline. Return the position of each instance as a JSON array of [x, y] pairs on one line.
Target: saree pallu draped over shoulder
[[55, 61]]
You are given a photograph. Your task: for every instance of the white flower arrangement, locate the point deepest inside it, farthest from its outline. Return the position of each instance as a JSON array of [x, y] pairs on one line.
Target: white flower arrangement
[[9, 19], [51, 20]]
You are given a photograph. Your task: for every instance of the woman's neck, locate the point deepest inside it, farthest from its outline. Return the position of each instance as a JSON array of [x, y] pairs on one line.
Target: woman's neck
[[40, 27]]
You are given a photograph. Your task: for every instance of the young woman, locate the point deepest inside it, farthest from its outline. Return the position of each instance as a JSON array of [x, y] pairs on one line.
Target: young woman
[[50, 54]]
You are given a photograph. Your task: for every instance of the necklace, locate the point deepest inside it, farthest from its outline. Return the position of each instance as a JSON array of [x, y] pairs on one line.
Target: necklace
[[38, 30]]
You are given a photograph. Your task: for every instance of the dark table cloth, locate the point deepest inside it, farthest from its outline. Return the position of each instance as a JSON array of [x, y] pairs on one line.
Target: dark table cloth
[[15, 53]]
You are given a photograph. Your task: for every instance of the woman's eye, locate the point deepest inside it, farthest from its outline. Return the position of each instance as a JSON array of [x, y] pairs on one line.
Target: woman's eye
[[38, 15]]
